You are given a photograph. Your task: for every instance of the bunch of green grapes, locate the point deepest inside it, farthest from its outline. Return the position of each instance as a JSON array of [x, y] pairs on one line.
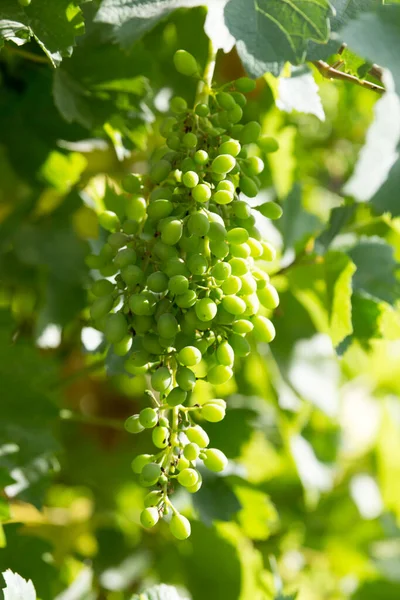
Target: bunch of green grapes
[[185, 284]]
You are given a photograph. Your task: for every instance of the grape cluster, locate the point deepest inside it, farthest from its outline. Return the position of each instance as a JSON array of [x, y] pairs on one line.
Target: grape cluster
[[180, 281]]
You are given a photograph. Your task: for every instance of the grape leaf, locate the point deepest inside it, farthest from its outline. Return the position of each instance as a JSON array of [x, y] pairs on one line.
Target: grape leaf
[[215, 501], [296, 224], [387, 198], [54, 25], [339, 270], [17, 588], [270, 32], [159, 592]]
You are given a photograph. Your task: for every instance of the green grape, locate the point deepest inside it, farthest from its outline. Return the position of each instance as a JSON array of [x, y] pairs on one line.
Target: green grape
[[225, 354], [269, 252], [197, 435], [248, 186], [223, 197], [271, 210], [153, 498], [122, 348], [151, 343], [242, 326], [227, 185], [176, 396], [235, 130], [142, 324], [135, 208], [234, 305], [231, 285], [178, 284], [102, 287], [189, 356], [173, 142], [130, 227], [161, 379], [188, 164], [256, 249], [148, 417], [200, 157], [171, 231], [186, 379], [252, 305], [175, 266], [159, 209], [219, 374], [131, 183], [141, 305], [221, 271], [157, 282], [225, 100], [183, 463], [212, 412], [133, 424], [117, 240], [180, 527], [191, 452], [223, 163], [197, 264], [195, 488], [237, 235], [185, 63], [190, 140], [24, 3], [264, 331], [217, 232], [116, 328], [231, 147], [132, 275], [160, 171], [268, 296], [167, 325], [206, 309], [202, 110], [268, 144], [187, 299], [215, 460], [160, 437], [245, 84], [240, 345], [235, 114], [220, 249], [254, 165], [240, 250], [239, 98], [109, 220], [101, 307], [239, 266], [190, 179], [151, 472], [250, 133], [198, 224], [140, 461], [125, 257], [249, 284], [188, 477]]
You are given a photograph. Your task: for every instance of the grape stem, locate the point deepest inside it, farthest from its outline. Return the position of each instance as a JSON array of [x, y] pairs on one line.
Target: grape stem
[[204, 85]]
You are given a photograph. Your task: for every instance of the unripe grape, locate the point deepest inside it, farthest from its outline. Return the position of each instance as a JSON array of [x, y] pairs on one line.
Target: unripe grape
[[240, 250], [225, 354], [217, 232], [173, 141], [109, 220], [254, 165], [215, 460], [191, 452], [171, 232], [245, 84], [131, 183], [223, 164], [223, 197], [241, 209], [161, 379], [240, 345], [197, 264], [239, 99], [249, 285], [268, 296], [202, 110], [153, 498], [133, 424], [178, 284], [195, 488], [152, 344], [148, 417], [231, 147], [151, 472], [102, 287], [239, 266], [227, 185], [212, 412], [268, 144], [186, 379], [183, 463], [188, 477], [236, 130], [198, 224], [200, 157], [116, 328], [269, 252], [175, 266], [132, 275], [187, 299], [250, 133], [252, 305], [248, 186], [197, 435], [189, 356], [237, 235], [101, 307], [190, 179], [231, 285], [157, 282], [135, 207], [235, 114], [24, 3], [125, 257], [117, 240], [264, 331], [140, 461], [271, 210], [180, 527], [160, 171], [159, 209], [220, 249], [167, 325], [178, 105], [160, 437], [121, 348], [190, 140], [256, 248], [219, 374], [225, 100], [234, 305], [206, 309], [221, 271], [176, 396], [185, 63], [149, 517]]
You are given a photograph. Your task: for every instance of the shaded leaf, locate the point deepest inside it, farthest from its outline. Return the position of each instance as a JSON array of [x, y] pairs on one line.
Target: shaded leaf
[[339, 270], [297, 225], [215, 501]]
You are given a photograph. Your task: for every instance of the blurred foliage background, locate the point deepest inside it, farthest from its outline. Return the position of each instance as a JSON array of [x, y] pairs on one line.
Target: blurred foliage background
[[310, 503]]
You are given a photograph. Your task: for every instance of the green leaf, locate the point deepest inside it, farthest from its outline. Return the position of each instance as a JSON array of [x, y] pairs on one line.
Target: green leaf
[[215, 501], [17, 588], [386, 199], [272, 31], [54, 25], [297, 225], [338, 219], [159, 592], [339, 270]]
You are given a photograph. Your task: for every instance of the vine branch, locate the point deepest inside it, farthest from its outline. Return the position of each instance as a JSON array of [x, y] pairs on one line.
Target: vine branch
[[330, 72], [204, 86]]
